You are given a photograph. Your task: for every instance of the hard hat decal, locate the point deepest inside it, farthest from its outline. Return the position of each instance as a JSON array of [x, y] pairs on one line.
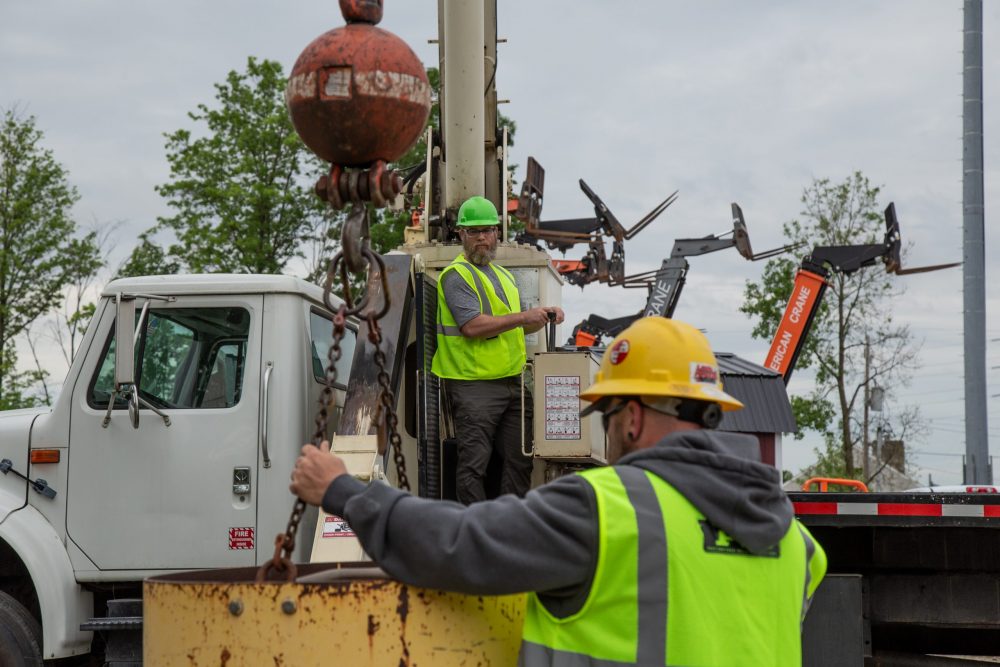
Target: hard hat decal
[[704, 373], [618, 352]]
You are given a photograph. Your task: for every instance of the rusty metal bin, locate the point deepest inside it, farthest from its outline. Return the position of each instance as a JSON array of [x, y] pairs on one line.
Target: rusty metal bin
[[332, 614]]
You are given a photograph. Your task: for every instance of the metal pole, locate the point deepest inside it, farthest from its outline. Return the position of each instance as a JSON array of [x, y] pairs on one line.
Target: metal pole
[[865, 449], [977, 470], [463, 83], [491, 167]]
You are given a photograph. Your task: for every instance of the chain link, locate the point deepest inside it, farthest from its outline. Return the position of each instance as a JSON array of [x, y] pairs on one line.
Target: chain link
[[387, 398], [284, 543]]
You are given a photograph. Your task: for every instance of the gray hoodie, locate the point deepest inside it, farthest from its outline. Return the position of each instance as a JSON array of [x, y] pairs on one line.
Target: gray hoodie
[[547, 541]]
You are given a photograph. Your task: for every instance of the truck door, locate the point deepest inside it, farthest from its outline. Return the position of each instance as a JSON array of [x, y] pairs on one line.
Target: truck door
[[183, 495]]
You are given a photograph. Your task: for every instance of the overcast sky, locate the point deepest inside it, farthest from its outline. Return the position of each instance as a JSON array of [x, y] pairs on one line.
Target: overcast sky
[[724, 101]]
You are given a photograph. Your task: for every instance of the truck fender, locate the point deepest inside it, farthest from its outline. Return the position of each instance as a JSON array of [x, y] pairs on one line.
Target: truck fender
[[63, 602]]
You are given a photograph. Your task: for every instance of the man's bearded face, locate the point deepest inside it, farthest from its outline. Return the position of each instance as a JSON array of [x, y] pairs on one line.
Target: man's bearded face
[[479, 244]]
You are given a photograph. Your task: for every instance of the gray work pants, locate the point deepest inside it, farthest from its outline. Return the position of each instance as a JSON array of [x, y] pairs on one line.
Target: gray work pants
[[487, 416]]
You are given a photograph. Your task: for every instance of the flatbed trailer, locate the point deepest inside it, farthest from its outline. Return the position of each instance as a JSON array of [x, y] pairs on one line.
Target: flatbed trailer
[[910, 576]]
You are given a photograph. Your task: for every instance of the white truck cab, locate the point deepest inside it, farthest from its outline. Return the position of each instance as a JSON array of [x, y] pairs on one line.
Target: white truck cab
[[188, 467]]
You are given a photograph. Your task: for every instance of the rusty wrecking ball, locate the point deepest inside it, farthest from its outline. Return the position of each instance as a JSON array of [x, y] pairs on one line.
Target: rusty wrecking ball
[[358, 94]]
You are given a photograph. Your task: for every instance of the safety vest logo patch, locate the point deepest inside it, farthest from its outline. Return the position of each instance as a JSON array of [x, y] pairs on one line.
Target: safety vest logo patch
[[717, 541]]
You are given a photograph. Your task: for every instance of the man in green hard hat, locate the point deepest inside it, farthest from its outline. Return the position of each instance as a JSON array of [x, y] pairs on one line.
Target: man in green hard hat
[[481, 322]]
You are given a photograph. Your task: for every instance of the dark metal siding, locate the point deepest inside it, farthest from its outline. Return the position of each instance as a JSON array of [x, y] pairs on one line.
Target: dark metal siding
[[762, 392]]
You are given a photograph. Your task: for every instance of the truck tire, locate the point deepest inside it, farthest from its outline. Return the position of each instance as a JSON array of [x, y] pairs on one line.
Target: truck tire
[[20, 635]]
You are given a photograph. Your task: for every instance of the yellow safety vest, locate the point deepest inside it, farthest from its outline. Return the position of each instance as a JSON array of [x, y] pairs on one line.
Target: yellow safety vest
[[464, 358], [670, 589]]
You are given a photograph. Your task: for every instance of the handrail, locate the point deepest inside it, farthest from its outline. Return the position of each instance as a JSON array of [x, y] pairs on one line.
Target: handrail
[[269, 366], [824, 482]]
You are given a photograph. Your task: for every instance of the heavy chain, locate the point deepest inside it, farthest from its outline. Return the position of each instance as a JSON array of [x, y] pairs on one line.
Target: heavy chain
[[387, 399], [355, 256]]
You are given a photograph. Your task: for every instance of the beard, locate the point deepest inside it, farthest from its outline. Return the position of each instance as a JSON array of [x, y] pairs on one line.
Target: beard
[[479, 256]]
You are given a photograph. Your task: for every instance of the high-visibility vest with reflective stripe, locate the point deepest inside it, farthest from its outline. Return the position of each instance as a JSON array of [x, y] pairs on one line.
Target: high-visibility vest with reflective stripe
[[670, 589], [464, 358]]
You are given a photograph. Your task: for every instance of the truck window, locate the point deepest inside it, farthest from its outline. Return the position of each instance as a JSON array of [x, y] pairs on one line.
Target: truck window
[[321, 333], [188, 358]]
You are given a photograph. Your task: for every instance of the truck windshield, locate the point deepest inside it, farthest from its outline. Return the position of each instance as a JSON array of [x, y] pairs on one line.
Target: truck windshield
[[187, 358]]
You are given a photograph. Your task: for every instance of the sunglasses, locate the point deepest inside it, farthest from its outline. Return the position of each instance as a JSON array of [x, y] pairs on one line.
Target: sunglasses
[[488, 231], [606, 416]]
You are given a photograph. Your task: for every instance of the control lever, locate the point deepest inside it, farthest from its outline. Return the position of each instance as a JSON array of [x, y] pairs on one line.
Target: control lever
[[39, 485], [550, 338]]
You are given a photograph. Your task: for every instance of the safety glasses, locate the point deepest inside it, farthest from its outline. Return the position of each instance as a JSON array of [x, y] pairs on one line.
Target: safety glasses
[[480, 231], [607, 415]]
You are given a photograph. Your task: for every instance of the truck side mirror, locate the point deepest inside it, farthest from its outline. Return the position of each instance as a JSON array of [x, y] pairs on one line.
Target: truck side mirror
[[124, 341], [125, 355]]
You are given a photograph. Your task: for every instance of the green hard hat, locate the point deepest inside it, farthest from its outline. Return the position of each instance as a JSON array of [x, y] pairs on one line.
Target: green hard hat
[[477, 212]]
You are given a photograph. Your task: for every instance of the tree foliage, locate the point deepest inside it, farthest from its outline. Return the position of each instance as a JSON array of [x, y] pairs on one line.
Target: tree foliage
[[857, 310], [241, 187], [40, 249]]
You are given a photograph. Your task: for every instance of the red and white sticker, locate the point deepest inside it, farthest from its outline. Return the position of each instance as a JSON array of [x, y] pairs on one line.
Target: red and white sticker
[[334, 526], [618, 352], [702, 373], [896, 509], [241, 538]]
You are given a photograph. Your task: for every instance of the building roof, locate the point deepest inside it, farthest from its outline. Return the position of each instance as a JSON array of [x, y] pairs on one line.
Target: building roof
[[762, 392]]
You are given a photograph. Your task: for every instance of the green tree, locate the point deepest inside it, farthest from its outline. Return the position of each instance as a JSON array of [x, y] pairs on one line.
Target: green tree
[[148, 259], [241, 188], [856, 311], [70, 322], [40, 250]]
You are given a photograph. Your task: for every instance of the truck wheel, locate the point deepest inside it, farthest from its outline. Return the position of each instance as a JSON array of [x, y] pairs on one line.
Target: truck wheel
[[20, 635]]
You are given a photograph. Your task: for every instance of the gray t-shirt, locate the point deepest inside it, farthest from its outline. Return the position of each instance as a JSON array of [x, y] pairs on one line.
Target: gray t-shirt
[[463, 302]]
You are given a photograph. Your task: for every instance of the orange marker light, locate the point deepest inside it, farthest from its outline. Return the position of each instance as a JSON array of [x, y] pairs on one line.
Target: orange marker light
[[45, 456]]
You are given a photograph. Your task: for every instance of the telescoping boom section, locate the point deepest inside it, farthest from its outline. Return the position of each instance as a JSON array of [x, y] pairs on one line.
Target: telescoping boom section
[[811, 283]]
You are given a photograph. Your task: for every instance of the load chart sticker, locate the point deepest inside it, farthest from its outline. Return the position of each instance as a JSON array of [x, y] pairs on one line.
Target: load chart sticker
[[335, 526], [241, 538], [562, 407]]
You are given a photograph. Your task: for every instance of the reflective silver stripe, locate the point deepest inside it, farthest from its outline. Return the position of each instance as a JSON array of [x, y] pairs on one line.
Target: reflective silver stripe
[[510, 276], [446, 330], [536, 655], [810, 551], [651, 586], [483, 299]]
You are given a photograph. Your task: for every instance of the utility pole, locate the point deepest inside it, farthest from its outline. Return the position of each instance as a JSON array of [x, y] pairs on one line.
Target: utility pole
[[977, 468], [864, 449]]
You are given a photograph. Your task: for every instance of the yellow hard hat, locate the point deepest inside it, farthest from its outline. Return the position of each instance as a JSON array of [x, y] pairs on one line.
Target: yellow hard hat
[[657, 357]]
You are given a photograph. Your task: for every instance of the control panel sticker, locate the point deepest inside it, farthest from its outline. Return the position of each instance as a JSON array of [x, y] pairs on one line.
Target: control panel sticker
[[334, 526], [240, 538], [562, 407]]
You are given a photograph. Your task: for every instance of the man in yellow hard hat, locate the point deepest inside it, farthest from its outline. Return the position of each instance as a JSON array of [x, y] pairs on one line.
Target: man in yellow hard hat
[[480, 354], [684, 551]]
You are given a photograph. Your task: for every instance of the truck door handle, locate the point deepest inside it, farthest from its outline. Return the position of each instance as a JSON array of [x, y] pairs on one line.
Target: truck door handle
[[268, 367]]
